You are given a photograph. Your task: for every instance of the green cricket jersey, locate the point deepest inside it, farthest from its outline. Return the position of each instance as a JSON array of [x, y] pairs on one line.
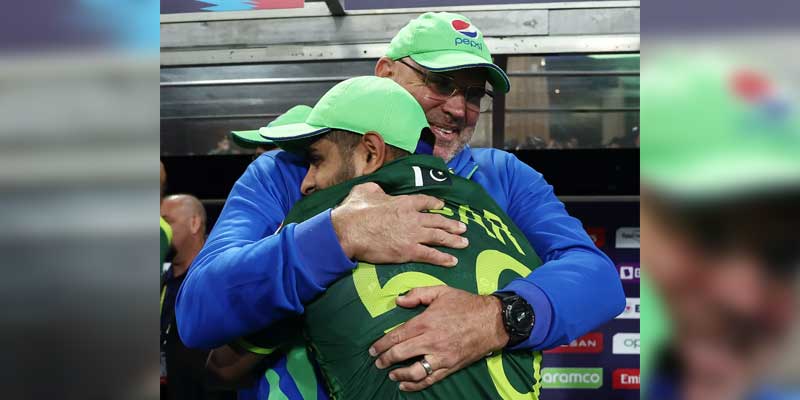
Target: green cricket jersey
[[166, 241], [358, 309]]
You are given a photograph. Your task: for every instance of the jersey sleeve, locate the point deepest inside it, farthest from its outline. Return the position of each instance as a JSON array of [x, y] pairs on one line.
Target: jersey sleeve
[[577, 287], [268, 340], [246, 277]]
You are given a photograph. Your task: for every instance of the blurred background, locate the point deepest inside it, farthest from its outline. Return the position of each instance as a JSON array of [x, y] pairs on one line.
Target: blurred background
[[720, 208], [559, 101], [78, 166], [574, 70]]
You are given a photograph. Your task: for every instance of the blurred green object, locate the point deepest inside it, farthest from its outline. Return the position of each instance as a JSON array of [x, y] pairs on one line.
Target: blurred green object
[[654, 327], [716, 128], [249, 139], [252, 139], [166, 241]]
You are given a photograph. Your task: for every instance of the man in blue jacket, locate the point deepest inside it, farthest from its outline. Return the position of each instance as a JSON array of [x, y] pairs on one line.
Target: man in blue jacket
[[247, 278]]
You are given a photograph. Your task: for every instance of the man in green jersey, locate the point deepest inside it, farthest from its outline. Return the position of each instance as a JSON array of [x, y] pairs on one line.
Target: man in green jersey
[[362, 131]]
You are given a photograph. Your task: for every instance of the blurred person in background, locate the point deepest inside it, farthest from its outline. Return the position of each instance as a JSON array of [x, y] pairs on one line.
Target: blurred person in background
[[165, 229], [163, 180], [183, 369], [627, 140], [720, 214], [223, 147]]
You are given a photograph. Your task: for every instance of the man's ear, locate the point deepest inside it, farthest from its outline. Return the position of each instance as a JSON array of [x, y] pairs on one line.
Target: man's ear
[[374, 146], [194, 224], [385, 68]]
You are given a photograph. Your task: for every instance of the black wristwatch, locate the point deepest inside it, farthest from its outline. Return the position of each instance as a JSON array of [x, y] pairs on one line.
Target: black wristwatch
[[518, 317]]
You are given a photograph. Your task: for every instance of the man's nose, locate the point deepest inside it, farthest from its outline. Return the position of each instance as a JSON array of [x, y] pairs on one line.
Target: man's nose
[[308, 185], [456, 106], [740, 284]]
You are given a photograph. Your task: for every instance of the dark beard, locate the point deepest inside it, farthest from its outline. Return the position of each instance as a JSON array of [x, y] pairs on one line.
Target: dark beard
[[347, 170]]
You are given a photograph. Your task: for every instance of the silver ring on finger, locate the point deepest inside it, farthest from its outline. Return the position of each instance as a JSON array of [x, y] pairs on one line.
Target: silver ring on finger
[[426, 365]]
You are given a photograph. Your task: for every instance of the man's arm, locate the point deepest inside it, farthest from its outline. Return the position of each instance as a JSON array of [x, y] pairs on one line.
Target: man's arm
[[576, 289], [233, 367], [247, 278]]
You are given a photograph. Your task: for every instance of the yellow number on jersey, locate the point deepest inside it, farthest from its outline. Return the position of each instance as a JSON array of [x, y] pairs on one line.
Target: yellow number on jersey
[[381, 299], [489, 265]]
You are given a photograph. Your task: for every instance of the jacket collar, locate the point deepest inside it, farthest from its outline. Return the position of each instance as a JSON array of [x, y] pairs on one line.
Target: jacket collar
[[463, 164]]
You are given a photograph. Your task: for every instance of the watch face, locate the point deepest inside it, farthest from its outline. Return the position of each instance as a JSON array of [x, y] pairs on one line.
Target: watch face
[[521, 317]]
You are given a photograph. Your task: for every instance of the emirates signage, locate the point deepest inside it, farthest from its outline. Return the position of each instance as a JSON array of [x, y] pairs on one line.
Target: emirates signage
[[625, 378]]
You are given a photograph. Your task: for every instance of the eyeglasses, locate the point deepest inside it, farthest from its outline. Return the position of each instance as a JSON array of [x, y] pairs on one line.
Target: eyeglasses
[[443, 86]]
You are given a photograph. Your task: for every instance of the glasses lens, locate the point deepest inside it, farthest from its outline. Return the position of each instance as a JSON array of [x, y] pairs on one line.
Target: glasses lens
[[486, 104], [475, 94], [442, 85], [477, 99]]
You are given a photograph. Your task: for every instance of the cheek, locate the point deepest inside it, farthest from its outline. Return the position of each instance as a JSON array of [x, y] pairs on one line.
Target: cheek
[[472, 118], [783, 306], [687, 268], [671, 262], [178, 234], [430, 107], [325, 175]]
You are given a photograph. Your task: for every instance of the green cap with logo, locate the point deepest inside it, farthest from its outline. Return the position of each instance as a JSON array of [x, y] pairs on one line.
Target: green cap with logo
[[716, 128], [445, 42], [253, 139], [359, 105]]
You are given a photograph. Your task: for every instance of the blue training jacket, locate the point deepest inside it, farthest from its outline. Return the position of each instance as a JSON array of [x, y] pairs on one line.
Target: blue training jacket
[[247, 277]]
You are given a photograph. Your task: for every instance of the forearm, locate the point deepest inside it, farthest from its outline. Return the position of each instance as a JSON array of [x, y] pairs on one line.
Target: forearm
[[232, 367], [577, 287], [570, 296], [234, 290]]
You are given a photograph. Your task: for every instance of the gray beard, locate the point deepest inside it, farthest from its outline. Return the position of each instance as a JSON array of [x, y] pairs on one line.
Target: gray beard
[[462, 142]]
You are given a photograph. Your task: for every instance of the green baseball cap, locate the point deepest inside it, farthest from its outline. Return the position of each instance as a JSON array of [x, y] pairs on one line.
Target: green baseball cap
[[252, 139], [359, 105], [445, 42], [716, 128]]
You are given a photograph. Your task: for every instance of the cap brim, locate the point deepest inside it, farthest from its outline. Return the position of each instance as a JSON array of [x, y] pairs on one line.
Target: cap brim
[[725, 177], [249, 139], [450, 60], [292, 137]]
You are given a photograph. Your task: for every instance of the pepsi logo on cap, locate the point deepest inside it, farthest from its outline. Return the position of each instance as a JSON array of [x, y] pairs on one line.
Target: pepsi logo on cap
[[757, 90], [751, 86], [464, 28]]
